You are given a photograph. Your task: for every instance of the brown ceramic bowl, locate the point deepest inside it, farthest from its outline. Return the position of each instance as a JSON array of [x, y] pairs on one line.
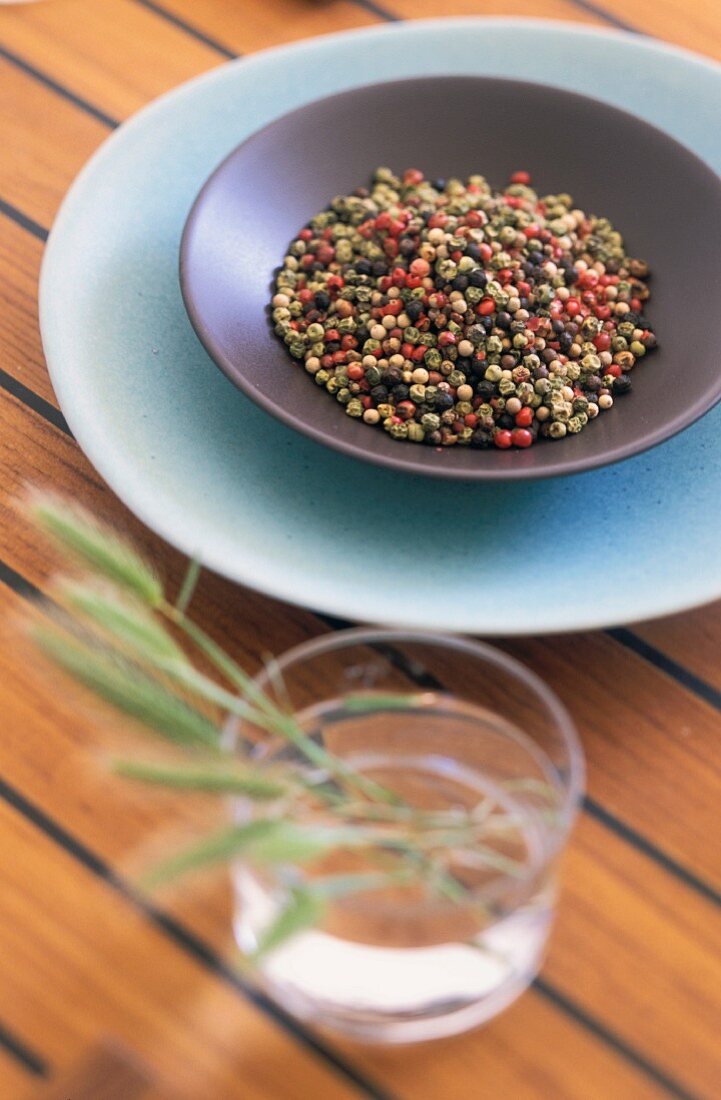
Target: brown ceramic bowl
[[664, 200]]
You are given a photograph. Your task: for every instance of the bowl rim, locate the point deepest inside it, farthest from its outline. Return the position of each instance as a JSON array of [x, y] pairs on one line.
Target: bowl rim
[[563, 466]]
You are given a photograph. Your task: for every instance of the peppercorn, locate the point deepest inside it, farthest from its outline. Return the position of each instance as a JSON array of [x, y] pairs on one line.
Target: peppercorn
[[397, 287]]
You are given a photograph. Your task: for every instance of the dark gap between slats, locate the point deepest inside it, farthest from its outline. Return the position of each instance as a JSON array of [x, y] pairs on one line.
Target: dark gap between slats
[[35, 402], [25, 222], [28, 1058], [188, 28], [58, 88]]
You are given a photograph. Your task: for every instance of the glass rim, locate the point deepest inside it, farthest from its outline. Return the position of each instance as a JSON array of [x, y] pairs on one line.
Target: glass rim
[[573, 785]]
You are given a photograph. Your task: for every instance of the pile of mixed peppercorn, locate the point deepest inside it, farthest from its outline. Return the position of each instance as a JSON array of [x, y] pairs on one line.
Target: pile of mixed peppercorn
[[449, 313]]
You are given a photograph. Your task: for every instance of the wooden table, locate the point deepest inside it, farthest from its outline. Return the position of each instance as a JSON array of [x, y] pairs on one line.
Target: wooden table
[[628, 1003]]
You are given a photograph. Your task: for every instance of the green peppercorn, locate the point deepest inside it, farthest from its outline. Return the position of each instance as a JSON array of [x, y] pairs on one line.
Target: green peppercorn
[[430, 422]]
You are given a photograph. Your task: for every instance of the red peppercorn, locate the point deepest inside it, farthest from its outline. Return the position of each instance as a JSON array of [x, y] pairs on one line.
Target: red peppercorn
[[331, 335], [473, 219], [367, 402], [524, 417], [306, 235], [503, 439], [412, 177], [531, 231], [602, 342], [390, 247], [393, 308], [339, 357], [614, 369], [405, 409], [335, 282], [636, 305], [398, 277], [413, 281], [603, 312], [355, 372], [446, 339], [437, 221], [470, 420], [485, 307], [325, 254], [521, 437], [521, 177], [420, 267], [573, 307], [384, 220]]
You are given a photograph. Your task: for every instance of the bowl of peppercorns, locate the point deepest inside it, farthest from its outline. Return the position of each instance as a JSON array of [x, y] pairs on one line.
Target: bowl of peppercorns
[[516, 292]]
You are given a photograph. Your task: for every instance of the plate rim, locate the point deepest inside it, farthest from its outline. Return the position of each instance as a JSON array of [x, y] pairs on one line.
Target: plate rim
[[181, 540]]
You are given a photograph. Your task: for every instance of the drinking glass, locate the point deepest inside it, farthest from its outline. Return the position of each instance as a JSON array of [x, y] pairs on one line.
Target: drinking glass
[[449, 726]]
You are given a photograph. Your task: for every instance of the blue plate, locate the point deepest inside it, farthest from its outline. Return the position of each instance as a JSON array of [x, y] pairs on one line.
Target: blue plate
[[217, 477]]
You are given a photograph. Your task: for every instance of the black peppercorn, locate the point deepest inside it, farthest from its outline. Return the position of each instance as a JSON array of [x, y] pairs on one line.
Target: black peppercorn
[[443, 401], [621, 385], [482, 438]]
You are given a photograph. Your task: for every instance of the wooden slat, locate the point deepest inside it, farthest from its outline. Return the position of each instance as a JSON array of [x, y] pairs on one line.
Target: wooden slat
[[77, 965], [256, 26], [529, 1053], [35, 172], [116, 54], [693, 640], [20, 351], [696, 26], [15, 1079], [651, 747], [441, 9], [637, 948]]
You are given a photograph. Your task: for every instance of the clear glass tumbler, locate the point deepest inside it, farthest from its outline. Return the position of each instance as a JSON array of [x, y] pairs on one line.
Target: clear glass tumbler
[[450, 726]]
